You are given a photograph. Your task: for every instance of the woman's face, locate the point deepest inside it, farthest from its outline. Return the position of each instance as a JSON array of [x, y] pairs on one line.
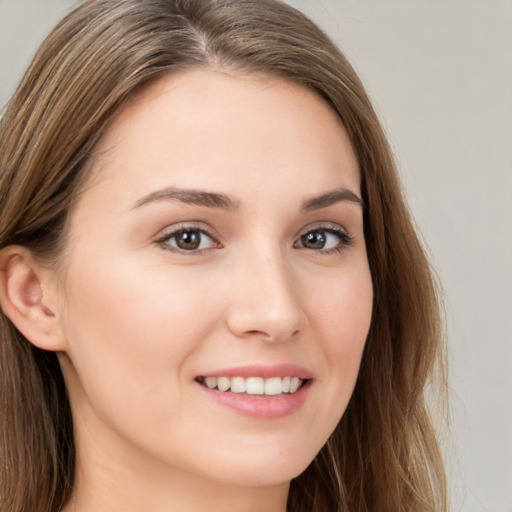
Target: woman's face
[[218, 243]]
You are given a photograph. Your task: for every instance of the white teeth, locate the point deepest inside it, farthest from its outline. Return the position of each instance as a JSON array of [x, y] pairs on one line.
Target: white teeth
[[211, 382], [223, 383], [273, 386], [238, 385], [255, 385], [294, 384]]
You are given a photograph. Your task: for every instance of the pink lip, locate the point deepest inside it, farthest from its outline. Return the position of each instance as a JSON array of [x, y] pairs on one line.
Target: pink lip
[[265, 371], [258, 406]]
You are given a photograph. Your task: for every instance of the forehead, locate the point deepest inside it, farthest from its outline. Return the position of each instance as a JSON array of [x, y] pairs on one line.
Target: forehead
[[216, 128]]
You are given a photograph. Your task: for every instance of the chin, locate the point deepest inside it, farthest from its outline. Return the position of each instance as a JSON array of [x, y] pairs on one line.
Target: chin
[[274, 470]]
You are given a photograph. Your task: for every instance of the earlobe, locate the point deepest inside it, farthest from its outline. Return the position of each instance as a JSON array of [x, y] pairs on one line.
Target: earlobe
[[26, 298]]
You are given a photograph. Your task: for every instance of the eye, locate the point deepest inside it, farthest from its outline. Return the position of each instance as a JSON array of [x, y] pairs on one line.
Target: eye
[[324, 240], [188, 240]]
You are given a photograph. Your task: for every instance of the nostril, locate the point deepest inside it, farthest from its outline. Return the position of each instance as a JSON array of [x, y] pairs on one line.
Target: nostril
[[255, 318]]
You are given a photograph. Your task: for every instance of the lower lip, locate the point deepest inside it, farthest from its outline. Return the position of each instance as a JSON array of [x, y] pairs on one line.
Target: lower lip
[[258, 406]]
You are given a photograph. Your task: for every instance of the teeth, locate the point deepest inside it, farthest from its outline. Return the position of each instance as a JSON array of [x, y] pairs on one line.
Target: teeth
[[223, 383], [211, 382], [238, 385], [294, 384], [273, 386], [254, 385]]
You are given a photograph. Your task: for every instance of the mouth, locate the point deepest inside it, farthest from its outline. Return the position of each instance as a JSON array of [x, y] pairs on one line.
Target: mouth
[[253, 385], [264, 392]]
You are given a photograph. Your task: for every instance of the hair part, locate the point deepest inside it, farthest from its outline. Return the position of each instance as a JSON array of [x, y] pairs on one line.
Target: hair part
[[383, 455]]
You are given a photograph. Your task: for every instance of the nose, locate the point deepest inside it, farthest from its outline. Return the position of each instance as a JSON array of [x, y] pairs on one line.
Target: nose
[[265, 301]]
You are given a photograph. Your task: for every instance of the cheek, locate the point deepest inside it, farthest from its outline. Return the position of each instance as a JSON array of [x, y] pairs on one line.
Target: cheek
[[150, 303], [342, 311], [341, 315], [131, 328]]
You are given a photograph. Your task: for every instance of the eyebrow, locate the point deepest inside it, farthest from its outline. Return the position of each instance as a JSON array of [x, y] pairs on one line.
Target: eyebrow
[[330, 198], [224, 202], [190, 196]]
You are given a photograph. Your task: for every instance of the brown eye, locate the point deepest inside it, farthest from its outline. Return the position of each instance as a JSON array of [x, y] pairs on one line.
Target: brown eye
[[314, 240], [324, 240], [188, 240]]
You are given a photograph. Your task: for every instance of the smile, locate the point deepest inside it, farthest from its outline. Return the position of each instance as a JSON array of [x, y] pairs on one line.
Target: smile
[[254, 385], [263, 391]]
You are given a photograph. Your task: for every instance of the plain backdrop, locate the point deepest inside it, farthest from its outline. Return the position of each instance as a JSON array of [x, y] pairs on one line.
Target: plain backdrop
[[440, 75]]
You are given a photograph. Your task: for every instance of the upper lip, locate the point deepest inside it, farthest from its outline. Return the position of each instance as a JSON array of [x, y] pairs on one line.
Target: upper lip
[[261, 370]]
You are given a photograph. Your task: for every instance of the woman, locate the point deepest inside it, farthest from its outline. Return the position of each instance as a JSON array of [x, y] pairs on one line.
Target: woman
[[212, 294]]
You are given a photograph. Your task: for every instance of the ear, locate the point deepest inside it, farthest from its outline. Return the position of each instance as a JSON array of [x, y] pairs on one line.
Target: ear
[[28, 298]]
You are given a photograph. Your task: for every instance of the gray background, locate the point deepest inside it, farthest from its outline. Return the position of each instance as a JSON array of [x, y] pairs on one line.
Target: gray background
[[440, 74]]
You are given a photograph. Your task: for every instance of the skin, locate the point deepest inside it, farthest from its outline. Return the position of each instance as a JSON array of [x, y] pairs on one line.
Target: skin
[[141, 319]]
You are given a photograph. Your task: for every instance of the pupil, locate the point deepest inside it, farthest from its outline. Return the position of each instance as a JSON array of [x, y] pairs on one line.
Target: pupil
[[188, 240], [315, 240]]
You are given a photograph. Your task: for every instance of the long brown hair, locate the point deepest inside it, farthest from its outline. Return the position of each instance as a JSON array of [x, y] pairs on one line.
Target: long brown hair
[[383, 455]]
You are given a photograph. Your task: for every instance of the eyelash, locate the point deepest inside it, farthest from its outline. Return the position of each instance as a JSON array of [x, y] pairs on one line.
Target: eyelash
[[163, 241], [345, 240]]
